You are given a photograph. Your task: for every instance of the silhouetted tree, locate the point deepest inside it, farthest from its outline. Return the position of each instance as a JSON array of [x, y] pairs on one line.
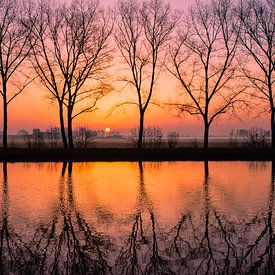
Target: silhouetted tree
[[53, 136], [70, 54], [14, 49], [257, 38], [173, 139], [84, 137], [203, 62], [152, 137], [254, 136], [142, 31]]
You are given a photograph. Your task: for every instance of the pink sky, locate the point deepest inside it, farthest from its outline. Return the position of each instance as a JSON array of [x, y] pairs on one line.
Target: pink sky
[[174, 3]]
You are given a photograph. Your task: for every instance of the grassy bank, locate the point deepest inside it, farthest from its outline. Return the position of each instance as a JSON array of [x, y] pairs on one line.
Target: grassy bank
[[113, 154]]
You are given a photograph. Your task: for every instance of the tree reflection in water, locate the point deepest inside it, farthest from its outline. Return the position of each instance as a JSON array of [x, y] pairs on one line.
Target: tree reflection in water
[[224, 247], [260, 255], [206, 239], [15, 255], [141, 253], [218, 251], [70, 245]]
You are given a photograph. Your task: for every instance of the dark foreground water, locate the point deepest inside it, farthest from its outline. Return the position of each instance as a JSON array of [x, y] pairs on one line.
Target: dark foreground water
[[137, 218]]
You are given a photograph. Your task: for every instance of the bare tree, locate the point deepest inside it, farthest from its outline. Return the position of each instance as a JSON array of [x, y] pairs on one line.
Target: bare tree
[[70, 49], [14, 49], [152, 137], [142, 32], [53, 135], [84, 137], [258, 44], [173, 139], [254, 136], [203, 62]]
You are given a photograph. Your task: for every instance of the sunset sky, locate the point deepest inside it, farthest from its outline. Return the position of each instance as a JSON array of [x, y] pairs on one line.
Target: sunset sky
[[33, 109]]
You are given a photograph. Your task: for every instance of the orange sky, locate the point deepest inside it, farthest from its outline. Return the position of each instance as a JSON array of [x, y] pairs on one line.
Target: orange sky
[[33, 110]]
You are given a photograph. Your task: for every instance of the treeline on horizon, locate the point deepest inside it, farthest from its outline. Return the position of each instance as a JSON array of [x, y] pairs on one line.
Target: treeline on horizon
[[220, 52]]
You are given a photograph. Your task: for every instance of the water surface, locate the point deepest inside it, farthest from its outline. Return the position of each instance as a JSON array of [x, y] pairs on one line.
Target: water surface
[[137, 218]]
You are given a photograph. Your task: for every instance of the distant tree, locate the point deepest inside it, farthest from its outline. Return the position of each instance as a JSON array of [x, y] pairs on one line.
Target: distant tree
[[22, 132], [254, 136], [257, 38], [70, 53], [53, 136], [233, 138], [84, 137], [173, 139], [142, 32], [14, 49], [203, 62], [38, 138], [152, 137], [134, 135], [28, 139]]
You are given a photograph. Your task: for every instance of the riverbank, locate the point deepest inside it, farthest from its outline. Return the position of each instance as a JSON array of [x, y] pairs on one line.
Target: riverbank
[[118, 154]]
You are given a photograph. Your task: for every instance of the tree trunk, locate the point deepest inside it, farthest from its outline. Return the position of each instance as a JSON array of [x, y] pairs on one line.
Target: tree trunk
[[64, 166], [273, 172], [5, 119], [5, 173], [206, 169], [273, 128], [70, 129], [141, 130], [70, 169], [206, 135], [62, 127]]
